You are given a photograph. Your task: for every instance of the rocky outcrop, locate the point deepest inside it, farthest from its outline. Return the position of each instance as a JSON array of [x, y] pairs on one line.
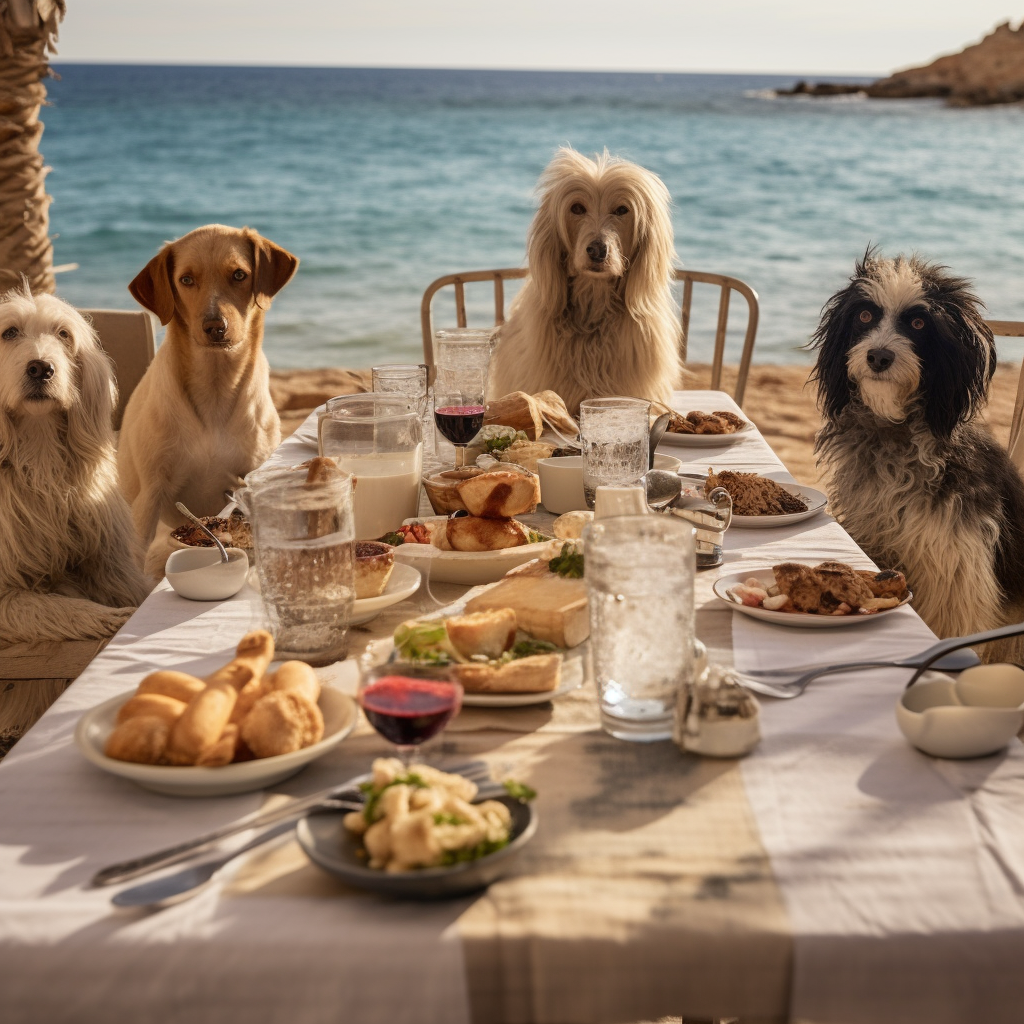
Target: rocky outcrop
[[991, 71], [988, 72]]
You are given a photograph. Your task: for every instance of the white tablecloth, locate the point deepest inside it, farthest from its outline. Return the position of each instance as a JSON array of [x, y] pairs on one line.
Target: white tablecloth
[[902, 877]]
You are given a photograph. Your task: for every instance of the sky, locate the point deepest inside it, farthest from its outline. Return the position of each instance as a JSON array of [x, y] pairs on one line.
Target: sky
[[785, 36]]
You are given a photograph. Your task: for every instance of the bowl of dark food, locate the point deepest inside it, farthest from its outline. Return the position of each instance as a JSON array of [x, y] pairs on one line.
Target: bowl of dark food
[[422, 834], [232, 531]]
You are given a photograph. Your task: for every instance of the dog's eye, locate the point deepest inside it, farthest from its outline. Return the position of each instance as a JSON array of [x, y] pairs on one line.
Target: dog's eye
[[917, 323], [63, 334], [10, 334], [578, 208], [186, 279], [239, 275], [621, 211], [865, 316]]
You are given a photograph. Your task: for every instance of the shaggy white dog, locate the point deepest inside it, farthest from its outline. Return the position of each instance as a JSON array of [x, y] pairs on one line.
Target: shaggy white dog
[[68, 558], [595, 317]]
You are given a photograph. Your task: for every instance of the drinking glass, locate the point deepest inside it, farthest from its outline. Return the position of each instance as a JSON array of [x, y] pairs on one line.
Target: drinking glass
[[378, 439], [460, 349], [411, 380], [459, 409], [303, 538], [409, 704], [639, 577], [615, 435]]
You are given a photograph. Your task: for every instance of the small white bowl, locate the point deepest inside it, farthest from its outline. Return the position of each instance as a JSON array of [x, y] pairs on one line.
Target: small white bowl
[[979, 714], [561, 481], [200, 575]]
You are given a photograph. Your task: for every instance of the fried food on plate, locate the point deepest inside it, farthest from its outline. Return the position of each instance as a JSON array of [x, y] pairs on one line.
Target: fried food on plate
[[474, 533]]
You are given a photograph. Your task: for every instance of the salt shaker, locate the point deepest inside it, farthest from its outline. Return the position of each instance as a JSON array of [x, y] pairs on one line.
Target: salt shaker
[[717, 717]]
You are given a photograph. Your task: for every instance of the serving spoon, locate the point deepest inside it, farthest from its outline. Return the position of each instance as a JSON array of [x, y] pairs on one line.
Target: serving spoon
[[662, 488], [202, 526], [658, 428]]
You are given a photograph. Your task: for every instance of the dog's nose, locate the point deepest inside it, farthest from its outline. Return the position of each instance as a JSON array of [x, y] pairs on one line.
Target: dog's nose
[[880, 359], [215, 327], [597, 251], [37, 369]]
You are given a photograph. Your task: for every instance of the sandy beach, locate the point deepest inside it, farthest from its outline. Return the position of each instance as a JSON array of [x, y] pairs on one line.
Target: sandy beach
[[778, 400]]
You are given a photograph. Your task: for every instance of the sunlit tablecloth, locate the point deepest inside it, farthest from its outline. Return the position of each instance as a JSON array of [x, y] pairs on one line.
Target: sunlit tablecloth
[[835, 875]]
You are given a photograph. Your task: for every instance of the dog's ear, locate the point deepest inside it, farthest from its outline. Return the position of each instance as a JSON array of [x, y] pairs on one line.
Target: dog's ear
[[957, 368], [650, 267], [546, 255], [153, 286], [832, 339], [272, 268], [89, 417]]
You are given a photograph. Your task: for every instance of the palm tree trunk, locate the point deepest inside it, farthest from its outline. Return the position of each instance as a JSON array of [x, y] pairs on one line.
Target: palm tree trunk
[[28, 29]]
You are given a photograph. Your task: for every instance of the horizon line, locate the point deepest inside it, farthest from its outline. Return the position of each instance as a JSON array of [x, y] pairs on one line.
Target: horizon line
[[438, 67]]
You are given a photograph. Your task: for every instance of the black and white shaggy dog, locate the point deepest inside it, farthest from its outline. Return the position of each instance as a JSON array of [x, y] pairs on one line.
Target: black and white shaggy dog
[[903, 370]]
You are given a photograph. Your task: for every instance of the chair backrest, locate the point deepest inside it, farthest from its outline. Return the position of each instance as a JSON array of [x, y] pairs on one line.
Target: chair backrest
[[1014, 329], [127, 336], [726, 285]]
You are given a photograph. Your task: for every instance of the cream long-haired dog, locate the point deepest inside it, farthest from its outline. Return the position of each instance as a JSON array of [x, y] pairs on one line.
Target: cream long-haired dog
[[595, 317], [68, 557]]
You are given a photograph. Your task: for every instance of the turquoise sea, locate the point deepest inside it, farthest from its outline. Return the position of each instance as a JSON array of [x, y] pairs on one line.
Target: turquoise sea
[[382, 180]]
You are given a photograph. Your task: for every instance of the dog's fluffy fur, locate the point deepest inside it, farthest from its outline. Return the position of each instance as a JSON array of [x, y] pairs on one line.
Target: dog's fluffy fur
[[595, 317], [202, 416], [903, 369], [68, 558]]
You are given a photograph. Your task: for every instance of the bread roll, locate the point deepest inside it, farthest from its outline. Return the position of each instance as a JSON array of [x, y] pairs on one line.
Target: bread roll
[[535, 674], [471, 533], [518, 410], [570, 525], [223, 751], [142, 740], [489, 633], [201, 724], [500, 495], [294, 676], [179, 685], [155, 705], [281, 722]]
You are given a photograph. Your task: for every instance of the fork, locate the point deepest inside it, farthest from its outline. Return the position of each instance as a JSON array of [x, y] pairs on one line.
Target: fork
[[294, 809], [947, 655]]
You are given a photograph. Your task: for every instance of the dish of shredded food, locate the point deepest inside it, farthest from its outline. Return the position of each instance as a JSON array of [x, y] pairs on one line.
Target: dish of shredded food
[[754, 495]]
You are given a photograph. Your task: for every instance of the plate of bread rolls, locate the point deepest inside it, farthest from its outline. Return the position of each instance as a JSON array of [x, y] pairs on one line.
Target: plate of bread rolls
[[249, 724]]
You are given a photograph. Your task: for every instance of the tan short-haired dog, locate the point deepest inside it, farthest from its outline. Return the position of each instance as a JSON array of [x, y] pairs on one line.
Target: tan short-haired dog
[[202, 416]]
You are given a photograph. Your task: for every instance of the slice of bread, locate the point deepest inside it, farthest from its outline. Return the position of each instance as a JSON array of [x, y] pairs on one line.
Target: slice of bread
[[489, 633], [536, 674], [500, 495]]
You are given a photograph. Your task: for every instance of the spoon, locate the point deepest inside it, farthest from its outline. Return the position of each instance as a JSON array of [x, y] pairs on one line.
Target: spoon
[[658, 428], [662, 488], [202, 526]]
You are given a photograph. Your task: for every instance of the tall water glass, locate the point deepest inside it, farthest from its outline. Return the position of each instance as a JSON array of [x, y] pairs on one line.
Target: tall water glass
[[460, 350], [378, 439], [639, 577], [615, 434], [303, 536], [411, 380]]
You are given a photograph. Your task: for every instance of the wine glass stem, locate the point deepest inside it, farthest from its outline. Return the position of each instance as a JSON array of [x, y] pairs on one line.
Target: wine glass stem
[[405, 755], [460, 456]]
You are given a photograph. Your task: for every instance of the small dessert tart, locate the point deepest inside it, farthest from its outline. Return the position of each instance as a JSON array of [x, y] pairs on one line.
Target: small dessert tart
[[375, 562]]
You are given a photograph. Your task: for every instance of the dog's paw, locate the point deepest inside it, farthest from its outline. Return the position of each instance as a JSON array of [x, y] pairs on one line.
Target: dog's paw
[[110, 620]]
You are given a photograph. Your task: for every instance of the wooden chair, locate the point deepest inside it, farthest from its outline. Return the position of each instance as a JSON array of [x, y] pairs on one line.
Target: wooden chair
[[127, 336], [726, 285], [32, 676], [1014, 329]]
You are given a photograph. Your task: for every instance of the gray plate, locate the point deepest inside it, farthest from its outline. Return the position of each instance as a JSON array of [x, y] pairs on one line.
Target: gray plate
[[332, 847]]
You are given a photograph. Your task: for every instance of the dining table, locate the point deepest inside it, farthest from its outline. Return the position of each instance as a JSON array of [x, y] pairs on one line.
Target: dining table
[[836, 875]]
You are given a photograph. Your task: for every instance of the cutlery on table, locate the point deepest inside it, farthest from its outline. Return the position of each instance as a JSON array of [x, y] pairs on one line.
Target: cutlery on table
[[202, 526], [335, 798], [946, 655]]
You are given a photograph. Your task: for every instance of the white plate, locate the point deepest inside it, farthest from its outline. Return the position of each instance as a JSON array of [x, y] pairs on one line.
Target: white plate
[[403, 582], [815, 501], [707, 440], [572, 677], [800, 620], [468, 567], [340, 717]]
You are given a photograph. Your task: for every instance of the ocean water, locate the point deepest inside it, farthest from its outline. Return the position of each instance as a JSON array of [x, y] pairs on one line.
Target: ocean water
[[382, 180]]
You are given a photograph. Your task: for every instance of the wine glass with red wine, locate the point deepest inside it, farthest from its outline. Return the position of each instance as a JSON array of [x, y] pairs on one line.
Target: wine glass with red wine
[[459, 409], [409, 704]]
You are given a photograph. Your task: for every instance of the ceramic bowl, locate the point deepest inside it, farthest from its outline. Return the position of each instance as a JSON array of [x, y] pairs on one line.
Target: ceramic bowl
[[561, 481], [200, 575], [978, 714]]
